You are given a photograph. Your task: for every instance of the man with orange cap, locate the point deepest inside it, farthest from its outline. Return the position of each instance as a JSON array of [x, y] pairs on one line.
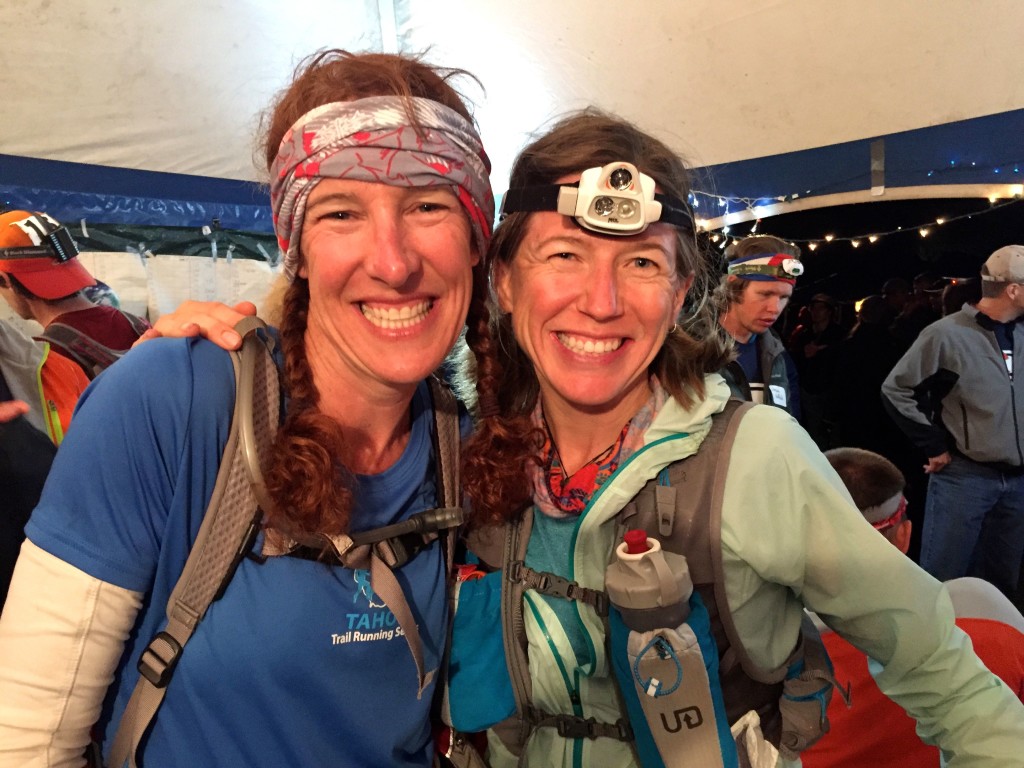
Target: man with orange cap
[[42, 279]]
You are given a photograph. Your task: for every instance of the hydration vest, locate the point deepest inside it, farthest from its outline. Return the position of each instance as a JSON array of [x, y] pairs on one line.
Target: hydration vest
[[790, 701]]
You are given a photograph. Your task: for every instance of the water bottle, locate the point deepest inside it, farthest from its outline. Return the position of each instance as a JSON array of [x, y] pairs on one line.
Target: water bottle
[[650, 587], [667, 675]]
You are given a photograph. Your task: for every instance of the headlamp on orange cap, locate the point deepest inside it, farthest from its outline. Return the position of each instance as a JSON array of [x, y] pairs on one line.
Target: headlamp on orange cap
[[50, 240], [41, 254]]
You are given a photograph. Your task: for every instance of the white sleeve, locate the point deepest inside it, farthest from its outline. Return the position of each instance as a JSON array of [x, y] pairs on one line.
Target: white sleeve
[[62, 633], [977, 599]]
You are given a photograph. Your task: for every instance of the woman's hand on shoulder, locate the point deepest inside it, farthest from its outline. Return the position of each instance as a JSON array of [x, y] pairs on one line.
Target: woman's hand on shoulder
[[209, 319]]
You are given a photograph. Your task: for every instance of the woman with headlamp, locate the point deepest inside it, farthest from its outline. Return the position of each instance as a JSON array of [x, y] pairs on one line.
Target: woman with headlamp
[[595, 374], [382, 207]]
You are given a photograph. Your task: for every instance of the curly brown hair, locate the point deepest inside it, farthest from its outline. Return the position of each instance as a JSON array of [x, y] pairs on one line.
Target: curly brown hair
[[309, 485], [497, 458]]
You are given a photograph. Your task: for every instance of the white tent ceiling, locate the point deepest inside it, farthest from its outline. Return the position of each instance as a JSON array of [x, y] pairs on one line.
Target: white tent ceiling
[[99, 94], [176, 85]]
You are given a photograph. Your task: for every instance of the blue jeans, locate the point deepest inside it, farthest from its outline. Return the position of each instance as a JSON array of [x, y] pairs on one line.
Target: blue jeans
[[974, 524]]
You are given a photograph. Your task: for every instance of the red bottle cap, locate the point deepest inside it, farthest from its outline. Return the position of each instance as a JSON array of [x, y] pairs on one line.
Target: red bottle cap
[[636, 542]]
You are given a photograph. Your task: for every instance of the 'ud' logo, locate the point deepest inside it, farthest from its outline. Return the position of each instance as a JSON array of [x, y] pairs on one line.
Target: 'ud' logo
[[690, 716]]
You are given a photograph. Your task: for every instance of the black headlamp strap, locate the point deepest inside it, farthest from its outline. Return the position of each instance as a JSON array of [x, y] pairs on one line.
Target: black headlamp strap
[[34, 252], [532, 199], [674, 211]]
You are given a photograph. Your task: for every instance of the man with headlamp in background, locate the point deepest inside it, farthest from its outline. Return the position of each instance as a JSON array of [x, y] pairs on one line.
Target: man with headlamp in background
[[43, 280], [758, 285]]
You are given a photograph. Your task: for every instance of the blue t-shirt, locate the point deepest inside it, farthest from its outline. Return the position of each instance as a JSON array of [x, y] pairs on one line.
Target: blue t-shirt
[[746, 356], [299, 663]]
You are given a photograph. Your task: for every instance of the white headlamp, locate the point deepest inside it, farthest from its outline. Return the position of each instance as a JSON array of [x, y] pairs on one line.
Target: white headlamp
[[767, 266], [793, 267], [616, 199]]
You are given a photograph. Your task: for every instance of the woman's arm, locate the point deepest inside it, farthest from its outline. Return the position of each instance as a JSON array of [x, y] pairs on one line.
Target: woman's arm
[[62, 633], [791, 529]]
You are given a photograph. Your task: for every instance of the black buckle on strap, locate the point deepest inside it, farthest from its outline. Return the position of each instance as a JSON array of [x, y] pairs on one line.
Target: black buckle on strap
[[571, 727], [398, 550], [554, 585], [154, 667]]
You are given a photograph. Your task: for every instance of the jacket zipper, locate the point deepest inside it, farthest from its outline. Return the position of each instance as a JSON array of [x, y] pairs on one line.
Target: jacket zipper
[[967, 434]]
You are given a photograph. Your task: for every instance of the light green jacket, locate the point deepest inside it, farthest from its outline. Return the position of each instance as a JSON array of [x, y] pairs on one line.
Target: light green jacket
[[791, 537]]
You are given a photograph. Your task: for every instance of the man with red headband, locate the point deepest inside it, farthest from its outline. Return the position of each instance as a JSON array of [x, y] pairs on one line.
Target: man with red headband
[[42, 279], [873, 730], [759, 283]]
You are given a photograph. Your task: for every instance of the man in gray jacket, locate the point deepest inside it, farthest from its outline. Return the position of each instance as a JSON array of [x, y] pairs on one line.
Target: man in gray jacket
[[955, 396]]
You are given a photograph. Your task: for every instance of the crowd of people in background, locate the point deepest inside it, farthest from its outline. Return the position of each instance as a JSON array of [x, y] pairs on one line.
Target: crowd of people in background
[[844, 351]]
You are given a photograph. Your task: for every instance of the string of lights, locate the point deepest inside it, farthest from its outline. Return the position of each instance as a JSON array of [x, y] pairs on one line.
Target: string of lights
[[722, 238], [954, 166], [729, 204]]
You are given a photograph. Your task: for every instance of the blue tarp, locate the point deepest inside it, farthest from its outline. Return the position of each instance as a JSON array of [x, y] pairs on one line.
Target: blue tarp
[[102, 194], [982, 150]]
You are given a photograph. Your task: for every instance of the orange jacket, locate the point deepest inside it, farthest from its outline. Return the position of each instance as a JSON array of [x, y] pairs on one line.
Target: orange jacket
[[61, 382]]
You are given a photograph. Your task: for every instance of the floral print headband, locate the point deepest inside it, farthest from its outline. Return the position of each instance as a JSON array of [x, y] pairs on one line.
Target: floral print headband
[[373, 140]]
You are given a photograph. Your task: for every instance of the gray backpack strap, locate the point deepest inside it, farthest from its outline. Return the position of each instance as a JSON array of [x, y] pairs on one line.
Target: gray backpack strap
[[688, 506], [90, 355], [714, 530], [447, 439], [138, 325], [806, 676], [446, 447], [516, 730], [791, 700], [229, 528]]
